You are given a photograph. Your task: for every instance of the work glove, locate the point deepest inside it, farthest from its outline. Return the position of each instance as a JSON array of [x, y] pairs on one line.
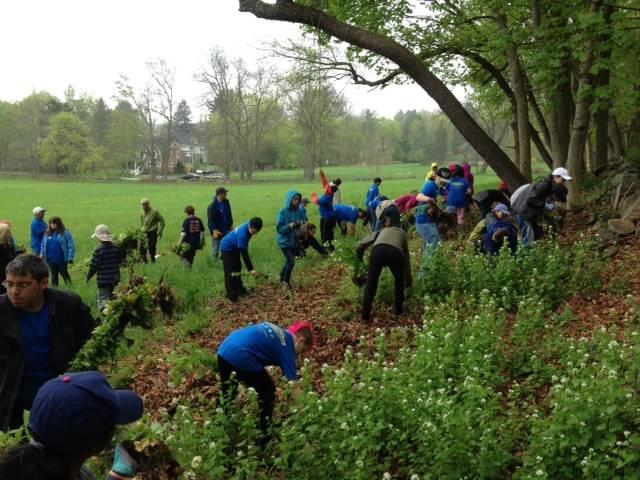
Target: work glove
[[254, 273], [124, 464], [550, 206], [217, 234]]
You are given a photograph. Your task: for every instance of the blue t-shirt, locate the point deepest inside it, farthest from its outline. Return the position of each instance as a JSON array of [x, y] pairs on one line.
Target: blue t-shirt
[[457, 192], [191, 227], [236, 239], [325, 206], [430, 189], [38, 227], [55, 254], [346, 213], [34, 332], [372, 194], [257, 346]]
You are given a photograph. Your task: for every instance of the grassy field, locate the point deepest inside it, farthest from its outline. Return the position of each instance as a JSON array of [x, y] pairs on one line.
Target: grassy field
[[83, 205]]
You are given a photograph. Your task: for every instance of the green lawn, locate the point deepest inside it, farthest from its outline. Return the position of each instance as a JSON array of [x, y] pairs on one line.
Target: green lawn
[[83, 205]]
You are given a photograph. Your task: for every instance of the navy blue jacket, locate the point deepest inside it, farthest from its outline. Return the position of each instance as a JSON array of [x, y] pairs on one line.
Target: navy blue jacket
[[492, 247], [219, 216]]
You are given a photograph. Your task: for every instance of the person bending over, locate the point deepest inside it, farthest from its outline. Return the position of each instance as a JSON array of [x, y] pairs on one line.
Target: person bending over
[[391, 250], [233, 246], [244, 354]]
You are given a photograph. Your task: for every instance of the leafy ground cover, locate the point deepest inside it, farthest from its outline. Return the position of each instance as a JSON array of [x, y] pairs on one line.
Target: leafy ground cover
[[521, 367]]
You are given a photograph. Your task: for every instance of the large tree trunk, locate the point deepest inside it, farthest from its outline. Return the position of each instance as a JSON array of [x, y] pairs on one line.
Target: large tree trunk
[[580, 129], [521, 101], [152, 144], [411, 64], [560, 123], [617, 147], [602, 80]]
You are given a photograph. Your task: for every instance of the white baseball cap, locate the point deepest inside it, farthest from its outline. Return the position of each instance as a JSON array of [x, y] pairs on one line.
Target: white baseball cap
[[38, 210], [562, 172]]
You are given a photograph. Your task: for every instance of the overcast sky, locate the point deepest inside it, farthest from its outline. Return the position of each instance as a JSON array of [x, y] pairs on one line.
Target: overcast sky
[[50, 44]]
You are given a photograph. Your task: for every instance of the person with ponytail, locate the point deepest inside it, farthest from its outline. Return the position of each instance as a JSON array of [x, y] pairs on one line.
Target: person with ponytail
[[74, 418]]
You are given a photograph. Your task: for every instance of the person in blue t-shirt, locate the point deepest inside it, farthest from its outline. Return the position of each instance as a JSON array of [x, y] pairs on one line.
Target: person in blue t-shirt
[[327, 215], [38, 227], [290, 219], [192, 234], [372, 194], [426, 215], [58, 250], [245, 353], [41, 330], [458, 192], [234, 245], [347, 216]]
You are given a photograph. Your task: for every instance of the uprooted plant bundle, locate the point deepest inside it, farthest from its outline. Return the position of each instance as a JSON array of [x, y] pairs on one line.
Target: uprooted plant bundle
[[135, 305]]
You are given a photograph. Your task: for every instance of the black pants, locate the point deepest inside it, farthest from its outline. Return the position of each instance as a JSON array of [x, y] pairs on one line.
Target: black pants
[[384, 256], [232, 266], [326, 230], [290, 261], [189, 256], [260, 381], [57, 269], [152, 241], [313, 243]]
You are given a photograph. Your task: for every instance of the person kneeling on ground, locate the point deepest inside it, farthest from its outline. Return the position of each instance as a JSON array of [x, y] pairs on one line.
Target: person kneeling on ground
[[245, 353], [306, 238], [105, 262], [73, 419], [390, 249], [499, 231], [234, 245], [41, 330]]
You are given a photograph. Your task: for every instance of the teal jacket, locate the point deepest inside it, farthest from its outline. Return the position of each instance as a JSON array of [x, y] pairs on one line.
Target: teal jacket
[[286, 235]]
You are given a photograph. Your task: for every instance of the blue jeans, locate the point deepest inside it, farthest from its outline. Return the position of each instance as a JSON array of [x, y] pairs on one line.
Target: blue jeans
[[430, 235], [530, 231], [290, 261], [215, 246]]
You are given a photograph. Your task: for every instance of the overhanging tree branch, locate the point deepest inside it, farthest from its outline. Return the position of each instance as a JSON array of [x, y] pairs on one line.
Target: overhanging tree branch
[[408, 62]]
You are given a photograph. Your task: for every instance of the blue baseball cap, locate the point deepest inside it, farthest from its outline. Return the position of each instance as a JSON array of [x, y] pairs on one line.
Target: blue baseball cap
[[501, 207], [76, 412]]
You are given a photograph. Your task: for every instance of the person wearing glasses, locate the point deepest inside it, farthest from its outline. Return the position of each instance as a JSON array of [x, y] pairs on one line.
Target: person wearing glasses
[[41, 330]]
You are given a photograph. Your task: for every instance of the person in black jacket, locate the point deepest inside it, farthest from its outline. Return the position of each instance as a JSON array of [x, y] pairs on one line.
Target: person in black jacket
[[487, 199], [41, 330], [219, 219], [105, 262], [530, 201]]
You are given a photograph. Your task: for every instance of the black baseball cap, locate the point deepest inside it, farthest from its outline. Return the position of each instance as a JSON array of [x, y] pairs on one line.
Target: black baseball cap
[[220, 190]]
